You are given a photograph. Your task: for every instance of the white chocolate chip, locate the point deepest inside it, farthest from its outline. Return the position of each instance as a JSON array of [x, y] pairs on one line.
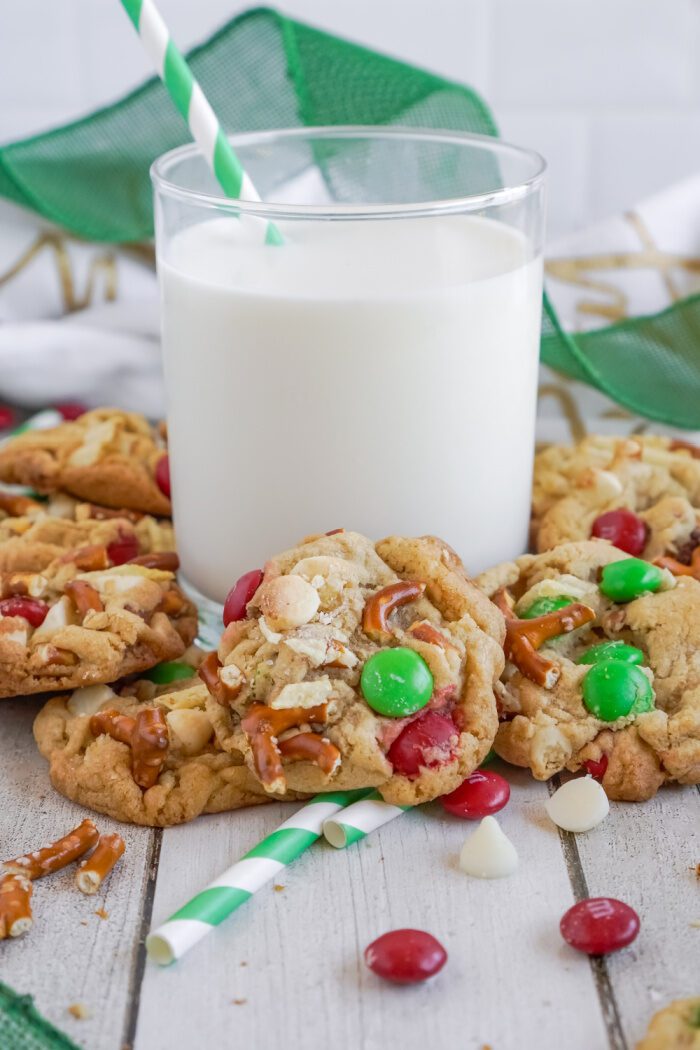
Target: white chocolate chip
[[191, 728], [59, 615], [303, 694], [578, 805], [488, 853], [287, 601], [90, 699], [273, 637], [195, 696]]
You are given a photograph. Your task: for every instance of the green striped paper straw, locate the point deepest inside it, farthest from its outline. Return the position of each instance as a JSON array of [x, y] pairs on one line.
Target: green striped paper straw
[[238, 883], [193, 105], [359, 819]]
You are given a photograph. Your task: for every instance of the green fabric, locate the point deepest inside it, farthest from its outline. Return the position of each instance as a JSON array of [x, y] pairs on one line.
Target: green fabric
[[263, 70], [23, 1028]]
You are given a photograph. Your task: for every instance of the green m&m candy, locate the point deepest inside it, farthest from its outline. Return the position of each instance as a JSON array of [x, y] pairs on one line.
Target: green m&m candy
[[613, 689], [629, 654], [396, 682], [171, 671], [542, 606], [624, 580]]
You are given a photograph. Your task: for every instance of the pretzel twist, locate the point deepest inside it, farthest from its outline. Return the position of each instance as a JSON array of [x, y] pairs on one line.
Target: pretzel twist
[[168, 561], [84, 596], [52, 858], [88, 559], [425, 631], [378, 608], [262, 725], [15, 906], [310, 747], [147, 736], [94, 870], [524, 637], [678, 568]]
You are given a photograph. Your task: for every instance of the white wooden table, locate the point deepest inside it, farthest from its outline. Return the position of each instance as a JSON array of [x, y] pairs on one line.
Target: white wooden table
[[286, 970]]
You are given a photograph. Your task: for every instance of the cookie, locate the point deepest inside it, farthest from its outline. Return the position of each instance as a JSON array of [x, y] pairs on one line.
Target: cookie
[[640, 493], [676, 1027], [360, 665], [629, 714], [65, 627], [142, 754], [39, 534], [106, 456]]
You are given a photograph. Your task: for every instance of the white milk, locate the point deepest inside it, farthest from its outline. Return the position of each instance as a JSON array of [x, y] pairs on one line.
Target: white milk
[[374, 376]]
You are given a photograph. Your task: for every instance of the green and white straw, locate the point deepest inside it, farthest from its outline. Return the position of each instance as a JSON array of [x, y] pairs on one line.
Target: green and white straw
[[192, 103], [359, 819], [238, 883]]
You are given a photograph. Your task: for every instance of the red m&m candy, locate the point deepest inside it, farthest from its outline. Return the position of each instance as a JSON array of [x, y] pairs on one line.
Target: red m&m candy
[[7, 417], [123, 549], [623, 529], [406, 956], [163, 475], [599, 925], [481, 794], [597, 768], [428, 741], [71, 410], [31, 609], [240, 594]]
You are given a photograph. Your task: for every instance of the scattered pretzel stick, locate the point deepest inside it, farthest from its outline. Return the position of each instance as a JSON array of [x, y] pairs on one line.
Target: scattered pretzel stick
[[15, 906], [263, 725], [94, 870], [56, 856], [378, 608], [524, 637]]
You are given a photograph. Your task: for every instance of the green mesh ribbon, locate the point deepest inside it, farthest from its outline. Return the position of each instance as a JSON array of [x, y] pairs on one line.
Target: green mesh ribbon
[[263, 70], [23, 1028]]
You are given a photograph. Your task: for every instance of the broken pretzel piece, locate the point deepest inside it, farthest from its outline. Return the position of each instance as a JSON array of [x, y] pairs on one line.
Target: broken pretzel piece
[[168, 561], [56, 856], [425, 631], [84, 596], [87, 559], [223, 690], [678, 568], [263, 725], [378, 608], [15, 906], [524, 637], [94, 870], [147, 736]]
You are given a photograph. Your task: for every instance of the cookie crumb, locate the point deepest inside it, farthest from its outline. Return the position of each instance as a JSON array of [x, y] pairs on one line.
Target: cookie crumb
[[101, 913], [278, 887], [239, 1002], [79, 1011], [244, 964], [83, 922]]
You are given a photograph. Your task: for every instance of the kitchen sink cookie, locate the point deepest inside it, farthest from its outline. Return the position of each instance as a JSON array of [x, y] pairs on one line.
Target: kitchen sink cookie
[[641, 494], [35, 535], [79, 622], [603, 668], [349, 664], [112, 458], [143, 754], [676, 1027]]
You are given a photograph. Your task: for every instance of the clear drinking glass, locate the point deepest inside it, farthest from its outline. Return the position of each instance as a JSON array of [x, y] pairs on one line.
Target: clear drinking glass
[[377, 371]]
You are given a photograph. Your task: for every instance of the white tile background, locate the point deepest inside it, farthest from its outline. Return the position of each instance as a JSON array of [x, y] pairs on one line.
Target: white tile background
[[608, 90]]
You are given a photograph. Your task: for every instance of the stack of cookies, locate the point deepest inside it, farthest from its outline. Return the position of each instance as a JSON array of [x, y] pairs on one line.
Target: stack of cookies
[[345, 663]]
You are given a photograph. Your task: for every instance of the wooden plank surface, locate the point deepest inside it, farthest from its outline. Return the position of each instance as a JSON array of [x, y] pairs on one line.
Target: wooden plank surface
[[71, 955], [294, 956]]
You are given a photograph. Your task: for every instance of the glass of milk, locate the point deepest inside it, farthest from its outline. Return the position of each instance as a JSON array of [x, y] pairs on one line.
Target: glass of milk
[[377, 371]]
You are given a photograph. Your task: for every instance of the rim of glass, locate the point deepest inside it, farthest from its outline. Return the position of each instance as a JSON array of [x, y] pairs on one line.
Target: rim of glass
[[161, 167]]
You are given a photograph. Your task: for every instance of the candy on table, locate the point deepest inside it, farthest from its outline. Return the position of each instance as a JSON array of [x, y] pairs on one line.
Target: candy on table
[[240, 594], [488, 853], [629, 654], [396, 682], [623, 581], [405, 956], [480, 795], [623, 529], [578, 805], [613, 689], [599, 925]]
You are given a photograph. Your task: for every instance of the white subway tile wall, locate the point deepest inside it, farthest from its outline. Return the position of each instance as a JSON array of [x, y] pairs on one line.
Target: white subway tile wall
[[607, 90]]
